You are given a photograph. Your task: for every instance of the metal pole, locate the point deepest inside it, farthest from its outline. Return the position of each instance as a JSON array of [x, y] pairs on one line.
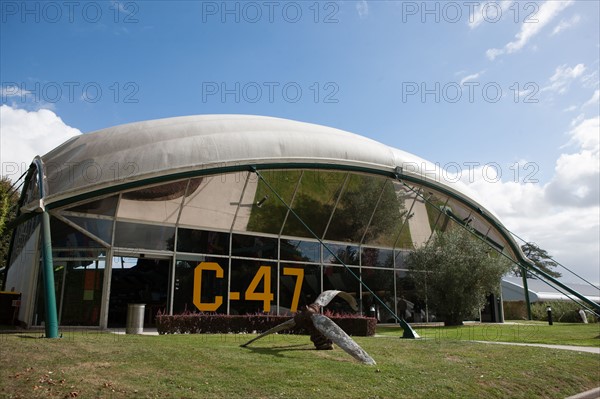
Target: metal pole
[[526, 292], [48, 276]]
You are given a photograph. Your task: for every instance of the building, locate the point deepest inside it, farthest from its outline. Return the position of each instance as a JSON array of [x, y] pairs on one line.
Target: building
[[539, 291], [232, 214]]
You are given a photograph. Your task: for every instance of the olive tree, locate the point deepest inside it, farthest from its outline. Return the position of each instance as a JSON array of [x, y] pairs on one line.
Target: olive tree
[[456, 271]]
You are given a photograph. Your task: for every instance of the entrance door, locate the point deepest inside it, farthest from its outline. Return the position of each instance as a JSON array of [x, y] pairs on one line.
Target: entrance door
[[138, 280]]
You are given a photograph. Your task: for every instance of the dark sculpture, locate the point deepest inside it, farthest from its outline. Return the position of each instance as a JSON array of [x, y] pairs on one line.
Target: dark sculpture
[[323, 331]]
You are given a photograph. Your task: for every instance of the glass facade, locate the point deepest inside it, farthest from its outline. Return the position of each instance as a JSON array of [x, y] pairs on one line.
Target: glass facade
[[228, 244]]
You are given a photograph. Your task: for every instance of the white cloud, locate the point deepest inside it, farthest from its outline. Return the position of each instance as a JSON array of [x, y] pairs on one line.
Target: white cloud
[[25, 134], [562, 78], [566, 24], [12, 91], [471, 77], [362, 7], [594, 100], [562, 216], [546, 13], [570, 109]]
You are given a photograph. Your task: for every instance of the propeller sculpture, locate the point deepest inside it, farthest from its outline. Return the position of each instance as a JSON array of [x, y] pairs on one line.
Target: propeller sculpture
[[323, 331]]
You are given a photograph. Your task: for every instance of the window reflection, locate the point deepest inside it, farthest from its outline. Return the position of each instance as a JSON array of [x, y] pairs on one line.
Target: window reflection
[[101, 228], [348, 254], [105, 207], [254, 246], [146, 236], [355, 208], [65, 236], [156, 204], [314, 202], [266, 211], [201, 241], [300, 251], [377, 257], [212, 201], [382, 283]]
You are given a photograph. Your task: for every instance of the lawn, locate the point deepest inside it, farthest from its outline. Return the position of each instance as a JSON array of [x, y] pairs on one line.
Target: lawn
[[89, 364]]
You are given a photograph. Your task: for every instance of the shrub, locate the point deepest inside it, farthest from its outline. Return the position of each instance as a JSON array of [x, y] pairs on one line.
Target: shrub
[[209, 323], [562, 311], [515, 310]]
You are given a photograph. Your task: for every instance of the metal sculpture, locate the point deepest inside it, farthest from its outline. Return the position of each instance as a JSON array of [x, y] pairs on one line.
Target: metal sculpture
[[323, 332]]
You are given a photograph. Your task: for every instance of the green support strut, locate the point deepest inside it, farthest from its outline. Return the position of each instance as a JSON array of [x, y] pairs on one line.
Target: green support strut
[[48, 275]]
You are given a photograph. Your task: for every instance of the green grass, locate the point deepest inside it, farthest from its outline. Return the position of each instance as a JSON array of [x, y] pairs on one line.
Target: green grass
[[577, 334], [95, 364]]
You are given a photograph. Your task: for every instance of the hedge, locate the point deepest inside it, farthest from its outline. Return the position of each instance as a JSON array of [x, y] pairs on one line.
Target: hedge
[[209, 323], [562, 311]]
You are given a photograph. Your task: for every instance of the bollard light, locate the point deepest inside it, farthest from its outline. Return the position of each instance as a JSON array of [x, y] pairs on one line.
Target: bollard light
[[549, 311]]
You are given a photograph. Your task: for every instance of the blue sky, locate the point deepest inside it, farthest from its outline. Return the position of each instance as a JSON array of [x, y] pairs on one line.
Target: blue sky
[[526, 72]]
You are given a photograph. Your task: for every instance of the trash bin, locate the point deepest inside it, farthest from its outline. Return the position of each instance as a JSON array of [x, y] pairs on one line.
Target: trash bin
[[135, 318]]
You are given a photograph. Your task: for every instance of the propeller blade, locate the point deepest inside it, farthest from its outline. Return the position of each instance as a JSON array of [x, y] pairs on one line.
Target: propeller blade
[[283, 326], [326, 296], [332, 331]]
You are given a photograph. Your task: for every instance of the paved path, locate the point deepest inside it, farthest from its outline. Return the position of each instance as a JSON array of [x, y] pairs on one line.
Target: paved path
[[588, 349]]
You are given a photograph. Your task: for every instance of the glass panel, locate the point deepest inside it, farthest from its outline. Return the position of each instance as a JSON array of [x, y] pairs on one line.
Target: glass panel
[[317, 194], [403, 237], [200, 241], [388, 217], [346, 253], [135, 235], [291, 276], [138, 280], [154, 204], [253, 287], [211, 288], [401, 259], [339, 278], [254, 246], [26, 231], [105, 206], [382, 283], [419, 221], [409, 304], [266, 211], [65, 236], [101, 228], [355, 208], [436, 211], [300, 251], [377, 257], [82, 292], [212, 201]]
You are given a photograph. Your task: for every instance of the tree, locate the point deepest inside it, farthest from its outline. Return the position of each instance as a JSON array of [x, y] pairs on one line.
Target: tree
[[8, 205], [540, 258], [455, 272]]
